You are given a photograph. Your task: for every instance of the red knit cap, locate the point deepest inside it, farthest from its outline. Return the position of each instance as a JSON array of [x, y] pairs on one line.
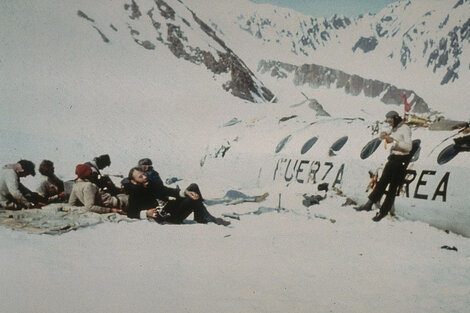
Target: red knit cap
[[83, 170]]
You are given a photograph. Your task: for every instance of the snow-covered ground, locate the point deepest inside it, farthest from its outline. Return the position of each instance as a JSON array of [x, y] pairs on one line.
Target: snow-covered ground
[[68, 97], [273, 262]]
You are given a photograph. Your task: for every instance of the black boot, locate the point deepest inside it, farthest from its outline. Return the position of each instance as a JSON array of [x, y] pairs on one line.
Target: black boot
[[221, 221], [379, 216], [365, 207]]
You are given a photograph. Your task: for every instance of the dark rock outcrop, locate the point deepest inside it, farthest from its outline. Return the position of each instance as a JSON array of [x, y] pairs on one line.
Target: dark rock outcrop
[[366, 44], [320, 76]]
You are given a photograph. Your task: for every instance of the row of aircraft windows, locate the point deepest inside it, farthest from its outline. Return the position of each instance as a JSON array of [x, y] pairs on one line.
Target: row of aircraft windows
[[445, 156]]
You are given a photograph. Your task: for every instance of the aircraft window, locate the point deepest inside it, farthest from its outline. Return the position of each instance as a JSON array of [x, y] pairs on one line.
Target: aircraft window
[[338, 145], [282, 143], [308, 145], [415, 150], [447, 154], [370, 148]]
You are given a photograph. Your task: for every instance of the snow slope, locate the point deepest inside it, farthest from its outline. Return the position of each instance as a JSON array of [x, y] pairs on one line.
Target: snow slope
[[273, 262]]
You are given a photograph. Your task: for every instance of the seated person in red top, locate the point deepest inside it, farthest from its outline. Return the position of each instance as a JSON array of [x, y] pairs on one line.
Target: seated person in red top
[[144, 196], [87, 194]]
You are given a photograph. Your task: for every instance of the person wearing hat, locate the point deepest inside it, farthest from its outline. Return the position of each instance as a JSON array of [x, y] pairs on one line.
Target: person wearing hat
[[146, 165], [86, 193], [13, 195], [399, 140], [102, 181]]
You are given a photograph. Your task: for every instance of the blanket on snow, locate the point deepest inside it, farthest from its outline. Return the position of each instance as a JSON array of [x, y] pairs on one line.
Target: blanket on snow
[[55, 219]]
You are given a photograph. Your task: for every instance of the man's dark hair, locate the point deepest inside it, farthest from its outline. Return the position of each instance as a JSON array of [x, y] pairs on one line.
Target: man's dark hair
[[102, 161], [28, 167], [131, 172], [145, 161], [45, 166], [397, 120]]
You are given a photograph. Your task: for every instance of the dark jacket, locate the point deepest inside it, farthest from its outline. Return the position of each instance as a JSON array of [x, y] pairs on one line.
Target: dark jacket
[[102, 181], [143, 198], [153, 176]]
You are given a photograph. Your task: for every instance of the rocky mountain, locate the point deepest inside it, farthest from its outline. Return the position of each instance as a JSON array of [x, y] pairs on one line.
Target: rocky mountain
[[171, 25], [412, 37], [436, 39]]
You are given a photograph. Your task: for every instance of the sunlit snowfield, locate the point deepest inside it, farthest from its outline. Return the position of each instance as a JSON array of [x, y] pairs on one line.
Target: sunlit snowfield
[[132, 103]]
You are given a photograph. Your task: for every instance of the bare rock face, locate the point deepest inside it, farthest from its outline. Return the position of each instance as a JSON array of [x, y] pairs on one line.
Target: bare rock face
[[366, 44], [320, 76], [317, 107], [174, 32]]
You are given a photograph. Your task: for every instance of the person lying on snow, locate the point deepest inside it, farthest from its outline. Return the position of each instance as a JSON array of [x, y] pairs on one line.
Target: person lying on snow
[[87, 194], [152, 199]]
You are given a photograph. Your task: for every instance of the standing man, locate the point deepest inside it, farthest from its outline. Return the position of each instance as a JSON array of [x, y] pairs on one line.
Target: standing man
[[394, 171], [11, 194], [144, 197]]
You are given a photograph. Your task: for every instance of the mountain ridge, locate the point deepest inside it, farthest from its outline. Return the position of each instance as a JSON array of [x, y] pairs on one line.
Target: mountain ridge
[[316, 76], [173, 31], [429, 38]]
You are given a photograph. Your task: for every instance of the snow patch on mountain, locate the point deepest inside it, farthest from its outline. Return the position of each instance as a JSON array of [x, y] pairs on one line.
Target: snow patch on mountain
[[418, 45]]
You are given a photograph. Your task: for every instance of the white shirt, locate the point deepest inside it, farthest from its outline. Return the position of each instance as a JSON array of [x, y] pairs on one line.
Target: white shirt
[[402, 143]]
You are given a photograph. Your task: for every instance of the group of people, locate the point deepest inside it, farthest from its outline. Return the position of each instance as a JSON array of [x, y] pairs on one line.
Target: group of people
[[14, 195], [142, 194]]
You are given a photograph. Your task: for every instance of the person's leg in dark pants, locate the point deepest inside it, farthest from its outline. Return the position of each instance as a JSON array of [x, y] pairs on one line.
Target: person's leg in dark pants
[[201, 215], [180, 209], [397, 169], [194, 187], [382, 184], [379, 189]]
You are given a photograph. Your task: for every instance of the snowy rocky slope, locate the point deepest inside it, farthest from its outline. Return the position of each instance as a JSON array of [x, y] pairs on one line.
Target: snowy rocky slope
[[171, 25], [418, 45], [127, 78]]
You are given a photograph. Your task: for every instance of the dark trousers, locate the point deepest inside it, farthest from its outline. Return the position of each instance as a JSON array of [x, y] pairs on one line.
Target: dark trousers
[[31, 196], [181, 208], [393, 176]]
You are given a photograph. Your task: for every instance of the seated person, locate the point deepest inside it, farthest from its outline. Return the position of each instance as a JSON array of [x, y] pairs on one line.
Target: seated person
[[152, 175], [51, 188], [102, 181], [13, 195], [87, 194], [174, 205]]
